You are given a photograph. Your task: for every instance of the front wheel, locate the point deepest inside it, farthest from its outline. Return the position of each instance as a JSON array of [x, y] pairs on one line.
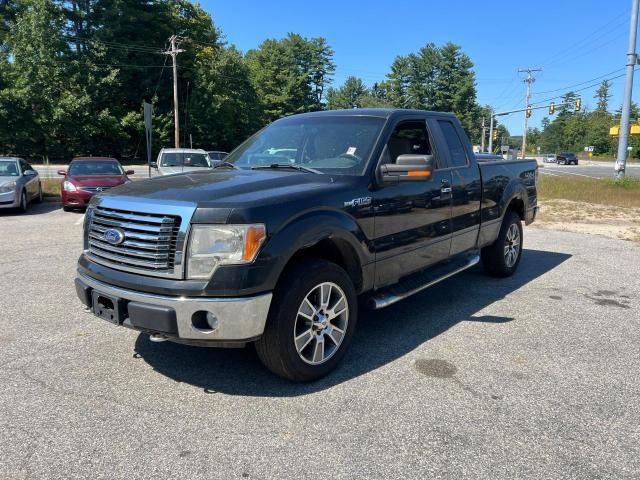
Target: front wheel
[[311, 321], [501, 258], [23, 202]]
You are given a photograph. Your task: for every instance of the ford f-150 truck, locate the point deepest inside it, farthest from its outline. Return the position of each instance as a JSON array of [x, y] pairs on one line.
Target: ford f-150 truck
[[309, 218]]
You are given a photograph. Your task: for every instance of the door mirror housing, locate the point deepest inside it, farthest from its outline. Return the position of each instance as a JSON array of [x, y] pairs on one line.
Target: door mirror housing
[[62, 172], [408, 168], [29, 173], [130, 172], [153, 164]]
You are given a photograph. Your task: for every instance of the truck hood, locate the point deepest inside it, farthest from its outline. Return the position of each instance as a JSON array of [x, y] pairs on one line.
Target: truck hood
[[233, 188]]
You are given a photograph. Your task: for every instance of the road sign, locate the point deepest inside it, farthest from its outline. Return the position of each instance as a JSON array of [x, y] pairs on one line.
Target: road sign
[[590, 148], [629, 149]]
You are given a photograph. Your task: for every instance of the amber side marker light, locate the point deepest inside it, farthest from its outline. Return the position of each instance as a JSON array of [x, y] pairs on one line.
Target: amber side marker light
[[418, 173], [256, 235]]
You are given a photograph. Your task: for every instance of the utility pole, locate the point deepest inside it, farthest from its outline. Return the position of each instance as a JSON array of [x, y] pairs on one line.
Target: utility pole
[[529, 80], [482, 137], [491, 131], [632, 59], [174, 53]]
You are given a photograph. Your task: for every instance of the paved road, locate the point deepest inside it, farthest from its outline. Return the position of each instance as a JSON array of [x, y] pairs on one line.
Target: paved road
[[533, 377], [587, 169]]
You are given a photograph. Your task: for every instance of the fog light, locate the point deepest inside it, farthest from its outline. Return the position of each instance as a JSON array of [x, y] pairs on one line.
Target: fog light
[[212, 320], [205, 322]]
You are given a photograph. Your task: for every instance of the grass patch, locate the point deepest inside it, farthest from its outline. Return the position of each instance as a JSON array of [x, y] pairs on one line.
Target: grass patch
[[51, 187], [625, 193]]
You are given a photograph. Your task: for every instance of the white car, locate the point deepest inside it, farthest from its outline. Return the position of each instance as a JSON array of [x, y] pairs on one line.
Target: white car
[[179, 160], [549, 158]]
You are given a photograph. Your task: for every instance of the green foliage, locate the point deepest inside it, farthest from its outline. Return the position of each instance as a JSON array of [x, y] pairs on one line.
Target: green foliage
[[290, 75], [355, 94]]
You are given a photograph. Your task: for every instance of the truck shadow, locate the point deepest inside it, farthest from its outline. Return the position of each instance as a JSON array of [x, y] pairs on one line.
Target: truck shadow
[[382, 336]]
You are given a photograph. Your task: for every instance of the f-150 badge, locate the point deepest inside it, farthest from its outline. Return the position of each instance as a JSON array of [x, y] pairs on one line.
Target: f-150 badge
[[358, 202]]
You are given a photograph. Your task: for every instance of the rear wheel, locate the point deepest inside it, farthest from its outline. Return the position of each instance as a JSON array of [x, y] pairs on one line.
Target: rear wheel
[[311, 321], [501, 258], [40, 194]]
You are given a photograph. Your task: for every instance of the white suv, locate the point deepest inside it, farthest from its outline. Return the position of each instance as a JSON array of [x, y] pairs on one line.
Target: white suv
[[179, 160]]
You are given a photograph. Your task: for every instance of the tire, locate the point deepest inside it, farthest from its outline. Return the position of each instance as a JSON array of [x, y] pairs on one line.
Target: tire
[[24, 205], [66, 209], [496, 260], [290, 318], [40, 195]]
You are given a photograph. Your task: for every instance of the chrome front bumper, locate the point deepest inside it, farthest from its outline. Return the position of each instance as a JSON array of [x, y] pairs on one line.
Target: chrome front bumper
[[238, 319]]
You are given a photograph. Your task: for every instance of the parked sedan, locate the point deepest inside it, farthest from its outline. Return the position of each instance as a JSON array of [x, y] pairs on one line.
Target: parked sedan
[[87, 176], [19, 184], [216, 156], [549, 158]]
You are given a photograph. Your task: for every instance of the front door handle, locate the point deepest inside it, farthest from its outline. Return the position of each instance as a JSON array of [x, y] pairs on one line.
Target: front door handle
[[445, 189]]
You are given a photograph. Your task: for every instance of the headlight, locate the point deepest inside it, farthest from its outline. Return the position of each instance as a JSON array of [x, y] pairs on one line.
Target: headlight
[[213, 245], [67, 186], [8, 187]]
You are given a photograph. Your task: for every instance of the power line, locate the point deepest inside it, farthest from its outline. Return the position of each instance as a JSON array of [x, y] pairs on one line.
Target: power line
[[577, 84]]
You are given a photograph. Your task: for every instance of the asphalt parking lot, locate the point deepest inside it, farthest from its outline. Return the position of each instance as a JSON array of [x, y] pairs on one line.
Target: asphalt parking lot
[[535, 376]]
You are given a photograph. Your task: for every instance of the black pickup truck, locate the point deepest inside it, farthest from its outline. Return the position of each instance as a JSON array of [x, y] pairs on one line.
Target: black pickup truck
[[309, 218]]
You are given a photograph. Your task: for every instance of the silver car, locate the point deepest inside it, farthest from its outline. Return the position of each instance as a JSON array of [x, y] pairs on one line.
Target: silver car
[[19, 184], [179, 160]]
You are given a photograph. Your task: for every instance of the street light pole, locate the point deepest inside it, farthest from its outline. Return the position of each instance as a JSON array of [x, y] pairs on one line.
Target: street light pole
[[621, 159]]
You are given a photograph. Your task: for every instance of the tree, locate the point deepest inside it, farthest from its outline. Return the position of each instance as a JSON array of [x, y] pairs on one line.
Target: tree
[[603, 96], [290, 75], [225, 107]]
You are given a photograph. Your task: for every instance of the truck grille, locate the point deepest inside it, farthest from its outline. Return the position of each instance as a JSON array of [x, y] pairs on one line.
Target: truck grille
[[144, 242]]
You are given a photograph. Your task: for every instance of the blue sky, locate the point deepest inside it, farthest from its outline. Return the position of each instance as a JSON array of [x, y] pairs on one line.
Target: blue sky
[[572, 41]]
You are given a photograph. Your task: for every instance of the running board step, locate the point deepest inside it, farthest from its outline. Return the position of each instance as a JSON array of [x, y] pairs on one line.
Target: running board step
[[419, 281]]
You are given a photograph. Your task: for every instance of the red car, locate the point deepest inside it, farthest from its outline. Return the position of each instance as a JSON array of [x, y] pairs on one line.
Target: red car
[[87, 176]]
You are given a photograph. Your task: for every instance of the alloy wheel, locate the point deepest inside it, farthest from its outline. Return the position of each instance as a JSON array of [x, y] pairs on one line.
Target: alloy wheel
[[321, 323], [512, 245]]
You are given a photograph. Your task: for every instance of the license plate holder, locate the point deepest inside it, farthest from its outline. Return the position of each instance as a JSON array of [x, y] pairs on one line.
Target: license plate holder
[[107, 307]]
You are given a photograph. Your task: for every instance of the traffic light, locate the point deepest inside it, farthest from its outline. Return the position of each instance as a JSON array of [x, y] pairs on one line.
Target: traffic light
[[578, 104], [529, 111], [552, 108], [495, 135]]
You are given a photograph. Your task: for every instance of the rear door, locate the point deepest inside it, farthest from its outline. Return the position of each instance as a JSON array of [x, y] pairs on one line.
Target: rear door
[[412, 219], [466, 183]]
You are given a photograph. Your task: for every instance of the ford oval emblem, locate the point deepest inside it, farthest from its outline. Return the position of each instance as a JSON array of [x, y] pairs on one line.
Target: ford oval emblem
[[114, 236]]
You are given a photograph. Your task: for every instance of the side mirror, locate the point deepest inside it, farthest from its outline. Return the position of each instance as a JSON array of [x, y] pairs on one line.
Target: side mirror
[[30, 173], [130, 172], [408, 168], [154, 164], [62, 172]]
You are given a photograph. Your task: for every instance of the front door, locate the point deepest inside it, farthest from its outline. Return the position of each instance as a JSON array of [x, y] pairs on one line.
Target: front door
[[412, 219]]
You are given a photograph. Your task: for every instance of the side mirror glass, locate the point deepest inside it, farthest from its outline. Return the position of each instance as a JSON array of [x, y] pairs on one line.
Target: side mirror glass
[[62, 172], [408, 168], [130, 172], [29, 173]]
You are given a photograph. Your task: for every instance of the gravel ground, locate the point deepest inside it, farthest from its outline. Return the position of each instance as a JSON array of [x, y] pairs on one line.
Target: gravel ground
[[534, 377]]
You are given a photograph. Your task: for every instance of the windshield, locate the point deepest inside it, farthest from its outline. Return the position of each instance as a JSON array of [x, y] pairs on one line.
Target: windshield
[[180, 159], [8, 168], [340, 145], [95, 167]]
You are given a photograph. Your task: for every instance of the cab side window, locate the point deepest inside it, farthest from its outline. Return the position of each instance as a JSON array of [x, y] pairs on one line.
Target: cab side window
[[458, 155], [408, 138]]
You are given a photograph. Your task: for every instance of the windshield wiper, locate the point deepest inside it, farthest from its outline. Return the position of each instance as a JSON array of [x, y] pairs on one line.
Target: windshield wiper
[[225, 164], [293, 166]]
